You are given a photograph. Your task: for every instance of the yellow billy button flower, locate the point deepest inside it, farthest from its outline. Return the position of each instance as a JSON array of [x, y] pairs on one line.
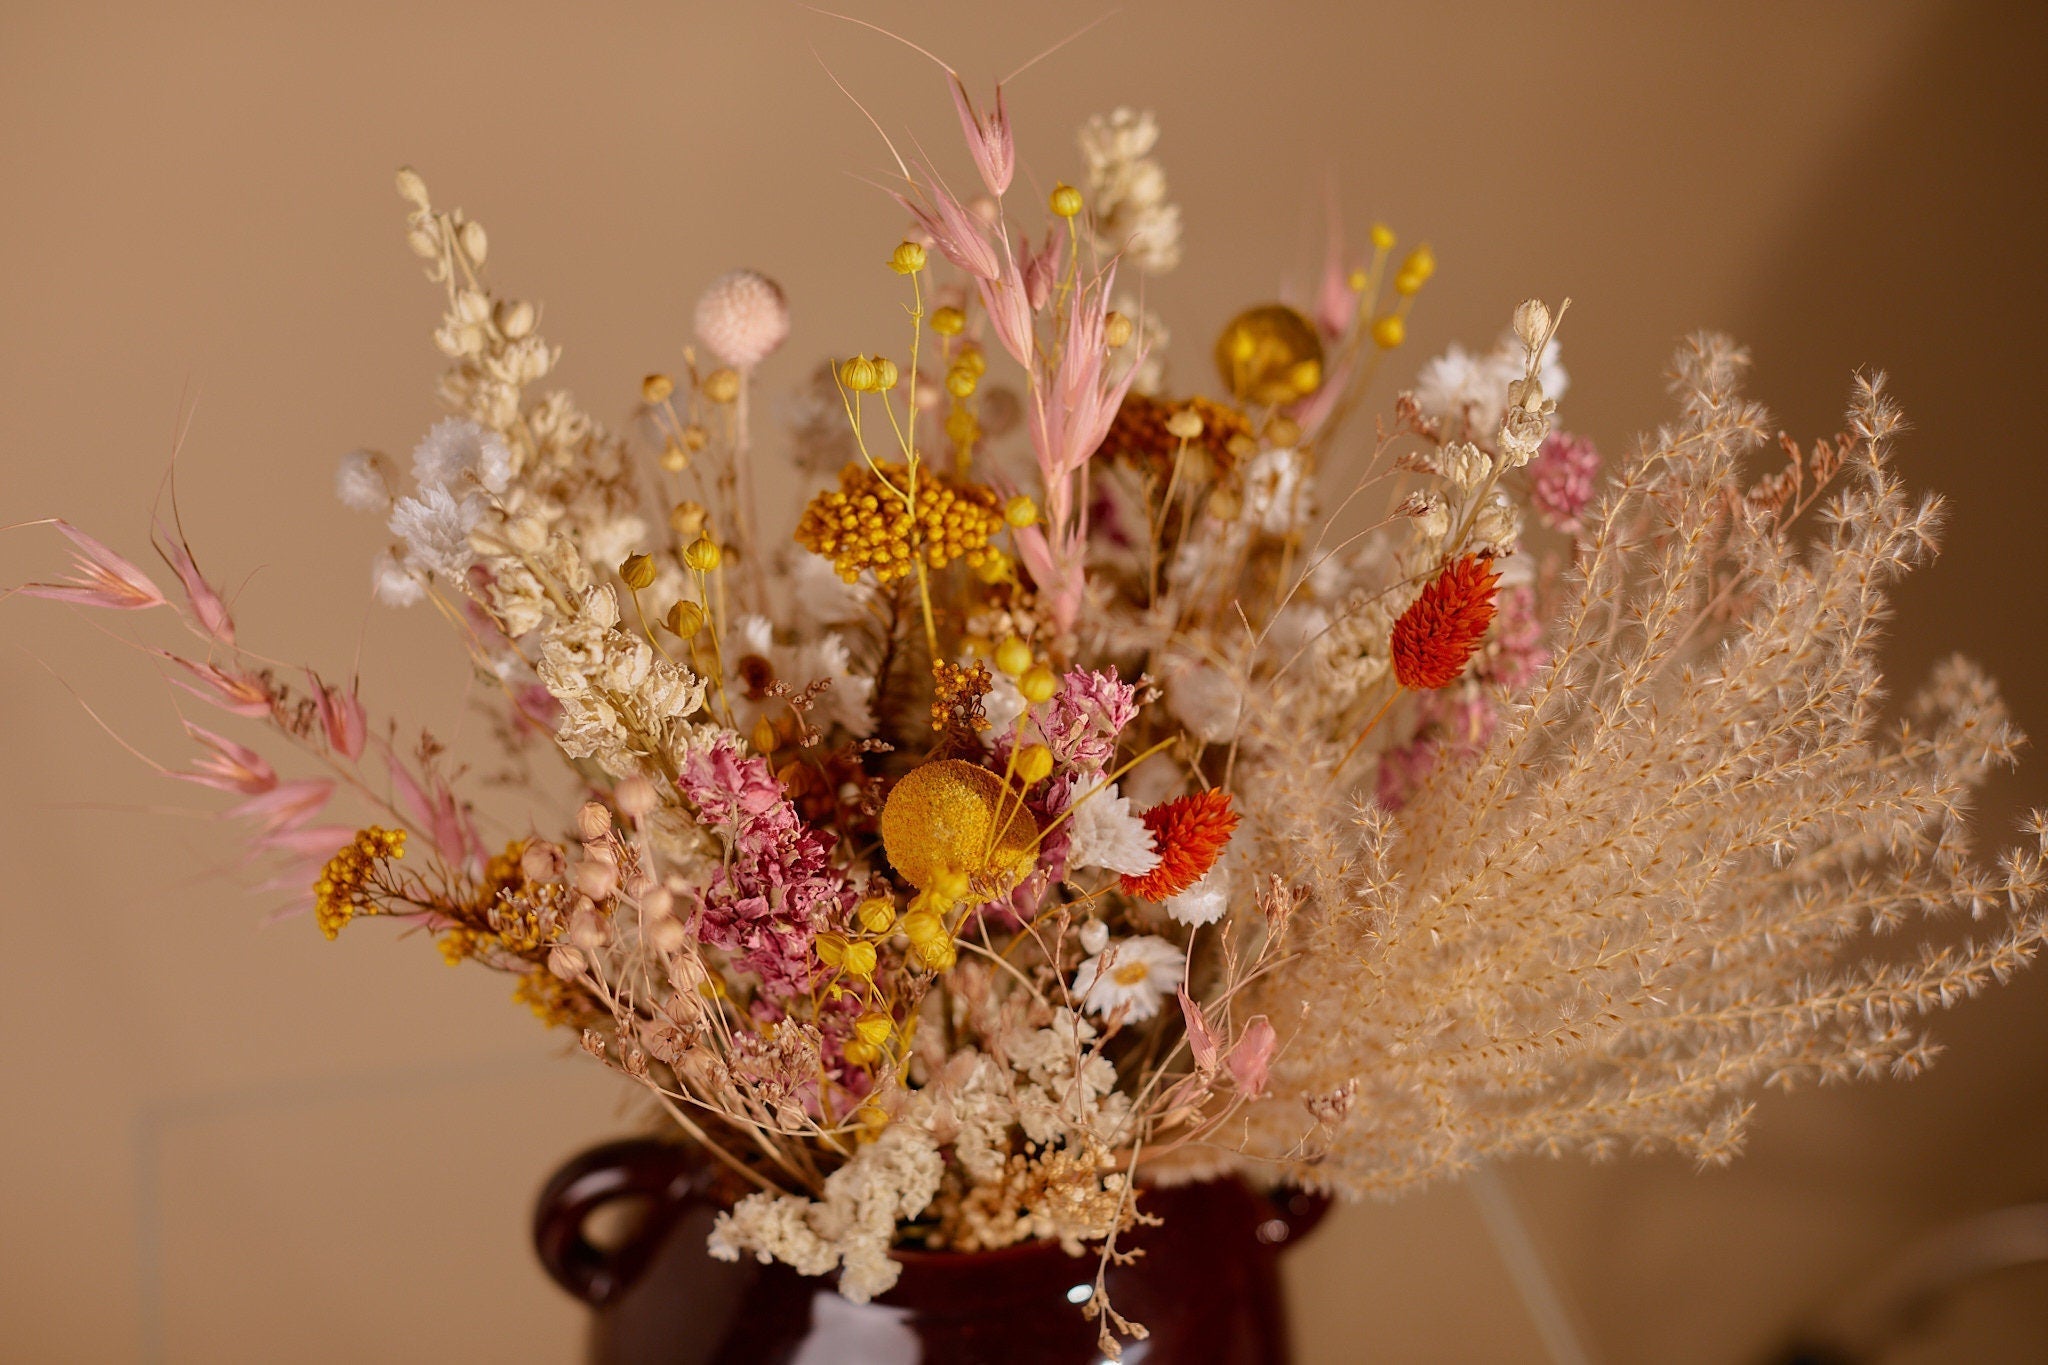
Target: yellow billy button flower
[[1038, 684], [1034, 764], [638, 572], [907, 259], [875, 914], [1021, 511], [703, 555], [948, 321], [860, 959], [1013, 656], [950, 822], [1066, 201]]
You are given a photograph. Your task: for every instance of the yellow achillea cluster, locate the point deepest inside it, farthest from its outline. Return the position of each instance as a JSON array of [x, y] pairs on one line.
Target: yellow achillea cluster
[[862, 525], [343, 887]]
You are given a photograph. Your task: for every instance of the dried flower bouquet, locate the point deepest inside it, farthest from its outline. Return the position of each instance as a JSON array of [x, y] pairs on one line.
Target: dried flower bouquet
[[1109, 781]]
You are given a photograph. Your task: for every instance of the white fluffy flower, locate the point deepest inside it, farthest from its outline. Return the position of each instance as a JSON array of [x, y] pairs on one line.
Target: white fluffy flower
[[825, 658], [743, 318], [435, 526], [393, 583], [1462, 386], [360, 484], [1206, 699], [1205, 901], [1276, 490], [1105, 834], [455, 446], [1133, 975]]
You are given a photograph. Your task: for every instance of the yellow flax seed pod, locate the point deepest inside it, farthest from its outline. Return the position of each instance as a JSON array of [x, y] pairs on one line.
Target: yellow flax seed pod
[[886, 374], [949, 885], [907, 259], [961, 382], [876, 914], [948, 321], [860, 1053], [637, 572], [874, 1028], [1021, 511], [674, 458], [858, 374], [922, 927], [1117, 330], [722, 385], [1013, 656], [860, 959], [656, 388], [1038, 684], [685, 619], [962, 427], [1034, 764], [765, 738], [937, 957], [1389, 331], [831, 949], [703, 555], [1382, 237], [1066, 200]]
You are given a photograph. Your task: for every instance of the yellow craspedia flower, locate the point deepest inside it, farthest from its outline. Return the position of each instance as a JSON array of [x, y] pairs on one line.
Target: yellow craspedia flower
[[1270, 355], [863, 527], [941, 819]]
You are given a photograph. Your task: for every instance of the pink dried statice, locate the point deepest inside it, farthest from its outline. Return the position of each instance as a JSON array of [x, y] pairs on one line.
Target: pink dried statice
[[1086, 716], [1562, 480], [778, 888]]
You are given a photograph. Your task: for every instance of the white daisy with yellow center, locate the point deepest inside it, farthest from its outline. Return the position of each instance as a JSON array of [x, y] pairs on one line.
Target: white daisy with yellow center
[[1130, 975]]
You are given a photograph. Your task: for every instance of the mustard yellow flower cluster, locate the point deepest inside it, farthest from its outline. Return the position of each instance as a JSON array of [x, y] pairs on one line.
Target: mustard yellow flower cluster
[[343, 886], [863, 526]]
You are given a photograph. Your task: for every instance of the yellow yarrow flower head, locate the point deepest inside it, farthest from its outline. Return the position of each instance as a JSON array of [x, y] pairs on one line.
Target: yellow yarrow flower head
[[863, 525]]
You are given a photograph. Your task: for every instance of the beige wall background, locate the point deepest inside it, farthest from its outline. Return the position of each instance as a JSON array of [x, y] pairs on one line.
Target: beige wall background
[[227, 1142]]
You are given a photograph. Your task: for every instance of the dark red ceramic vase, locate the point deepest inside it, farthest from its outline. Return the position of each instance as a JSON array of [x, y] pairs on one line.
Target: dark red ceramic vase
[[1207, 1286]]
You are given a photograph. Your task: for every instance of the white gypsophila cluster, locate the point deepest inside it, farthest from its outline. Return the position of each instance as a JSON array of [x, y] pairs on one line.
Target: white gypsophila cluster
[[1105, 833], [1204, 698], [1065, 1090], [853, 1226], [455, 447], [361, 483], [622, 704], [1278, 491], [1462, 387], [1129, 213], [824, 658]]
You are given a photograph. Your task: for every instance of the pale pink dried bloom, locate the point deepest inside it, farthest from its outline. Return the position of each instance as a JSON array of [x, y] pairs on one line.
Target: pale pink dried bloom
[[1563, 479], [743, 317], [208, 609], [341, 716], [231, 767]]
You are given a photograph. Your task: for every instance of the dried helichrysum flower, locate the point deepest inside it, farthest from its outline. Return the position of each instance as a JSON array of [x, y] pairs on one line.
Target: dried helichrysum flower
[[1190, 832], [863, 526], [348, 882], [743, 317], [1140, 436], [1441, 630]]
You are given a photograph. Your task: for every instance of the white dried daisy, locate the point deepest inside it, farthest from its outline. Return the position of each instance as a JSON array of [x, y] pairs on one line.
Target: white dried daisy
[[1133, 975]]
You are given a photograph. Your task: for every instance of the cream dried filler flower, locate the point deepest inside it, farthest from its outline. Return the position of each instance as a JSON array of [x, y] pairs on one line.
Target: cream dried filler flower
[[1471, 834]]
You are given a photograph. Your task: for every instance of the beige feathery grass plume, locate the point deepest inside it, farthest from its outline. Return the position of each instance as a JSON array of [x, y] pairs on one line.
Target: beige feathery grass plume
[[1652, 892]]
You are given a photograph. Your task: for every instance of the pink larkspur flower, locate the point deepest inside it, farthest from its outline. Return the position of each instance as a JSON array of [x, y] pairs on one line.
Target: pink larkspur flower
[[1087, 714], [1562, 480]]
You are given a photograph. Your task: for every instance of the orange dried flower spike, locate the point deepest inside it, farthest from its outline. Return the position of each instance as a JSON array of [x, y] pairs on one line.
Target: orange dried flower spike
[[1442, 629], [1190, 832]]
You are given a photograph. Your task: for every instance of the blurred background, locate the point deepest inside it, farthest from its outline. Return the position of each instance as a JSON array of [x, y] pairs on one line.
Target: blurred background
[[232, 1142]]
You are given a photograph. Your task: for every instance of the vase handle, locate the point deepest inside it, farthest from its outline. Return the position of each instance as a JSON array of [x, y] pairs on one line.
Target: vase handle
[[664, 1174]]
